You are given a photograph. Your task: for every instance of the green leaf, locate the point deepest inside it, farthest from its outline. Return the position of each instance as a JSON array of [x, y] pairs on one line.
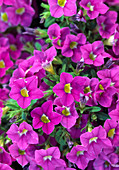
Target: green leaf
[[49, 21], [45, 6], [94, 109], [63, 68], [49, 83], [93, 73], [38, 46], [12, 104], [23, 115], [103, 116]]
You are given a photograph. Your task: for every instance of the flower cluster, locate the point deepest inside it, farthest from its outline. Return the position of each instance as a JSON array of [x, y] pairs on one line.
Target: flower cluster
[[59, 84]]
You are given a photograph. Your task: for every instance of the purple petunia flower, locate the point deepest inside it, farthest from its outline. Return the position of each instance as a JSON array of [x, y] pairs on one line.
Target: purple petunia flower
[[104, 92], [106, 162], [20, 13], [107, 24], [94, 7], [5, 63], [25, 90], [69, 114], [112, 129], [49, 159], [69, 88], [94, 53], [22, 135], [45, 117], [58, 35], [44, 59], [62, 7], [79, 156], [18, 154], [71, 47], [95, 141], [112, 74]]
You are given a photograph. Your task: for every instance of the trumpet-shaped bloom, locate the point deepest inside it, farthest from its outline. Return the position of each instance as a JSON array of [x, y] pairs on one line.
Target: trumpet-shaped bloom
[[79, 156], [69, 88], [20, 13], [25, 90], [45, 117], [44, 59], [58, 35], [62, 7], [49, 159], [95, 141], [19, 155], [22, 135], [104, 92], [69, 114], [112, 129], [71, 47], [107, 24], [94, 7], [94, 53], [106, 162], [112, 74], [5, 63]]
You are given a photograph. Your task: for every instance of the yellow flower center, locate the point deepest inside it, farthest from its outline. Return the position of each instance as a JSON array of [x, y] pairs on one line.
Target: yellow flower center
[[92, 56], [1, 151], [61, 3], [80, 153], [67, 88], [4, 17], [13, 47], [59, 42], [111, 133], [101, 87], [21, 152], [45, 119], [66, 112], [20, 11], [107, 164], [24, 92], [73, 44], [2, 64], [93, 139], [47, 157], [90, 6], [87, 89], [24, 131]]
